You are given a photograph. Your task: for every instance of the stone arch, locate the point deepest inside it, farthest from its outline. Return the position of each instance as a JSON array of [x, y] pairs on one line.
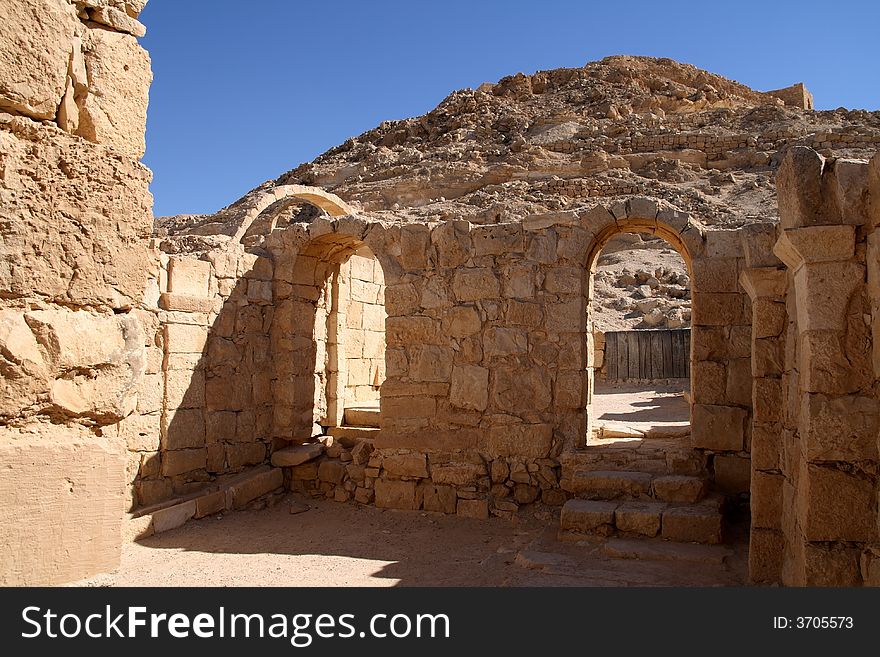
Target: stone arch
[[255, 204], [635, 215]]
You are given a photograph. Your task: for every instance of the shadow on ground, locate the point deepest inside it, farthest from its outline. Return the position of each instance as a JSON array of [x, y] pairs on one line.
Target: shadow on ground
[[334, 544]]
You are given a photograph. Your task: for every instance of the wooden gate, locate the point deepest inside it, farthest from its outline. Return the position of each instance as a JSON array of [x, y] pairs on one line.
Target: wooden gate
[[648, 354]]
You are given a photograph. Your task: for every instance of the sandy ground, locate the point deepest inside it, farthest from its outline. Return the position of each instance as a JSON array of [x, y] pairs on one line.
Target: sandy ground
[[659, 406], [326, 543], [334, 544]]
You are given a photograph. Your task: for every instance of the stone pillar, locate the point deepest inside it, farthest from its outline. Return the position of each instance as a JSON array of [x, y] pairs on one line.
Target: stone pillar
[[766, 287], [829, 496]]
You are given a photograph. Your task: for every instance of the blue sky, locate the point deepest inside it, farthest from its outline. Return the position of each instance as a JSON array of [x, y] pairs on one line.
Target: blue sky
[[243, 91]]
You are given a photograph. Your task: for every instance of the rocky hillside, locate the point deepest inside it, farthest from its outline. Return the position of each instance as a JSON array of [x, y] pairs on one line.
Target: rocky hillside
[[546, 142], [557, 140]]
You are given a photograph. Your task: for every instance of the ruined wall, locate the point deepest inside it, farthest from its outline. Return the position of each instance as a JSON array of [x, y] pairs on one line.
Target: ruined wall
[[488, 352], [815, 486], [74, 261]]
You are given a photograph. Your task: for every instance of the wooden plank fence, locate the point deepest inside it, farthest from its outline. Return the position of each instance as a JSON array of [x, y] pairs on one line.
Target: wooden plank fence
[[648, 354]]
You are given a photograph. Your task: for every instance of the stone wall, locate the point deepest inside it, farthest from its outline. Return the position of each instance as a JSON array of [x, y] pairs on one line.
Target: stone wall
[[815, 451], [74, 265], [488, 355]]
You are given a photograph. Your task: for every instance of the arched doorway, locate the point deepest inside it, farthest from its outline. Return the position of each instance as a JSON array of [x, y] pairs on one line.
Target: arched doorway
[[639, 312], [329, 332]]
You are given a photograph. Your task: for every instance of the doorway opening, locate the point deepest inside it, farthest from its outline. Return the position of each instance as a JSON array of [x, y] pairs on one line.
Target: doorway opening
[[639, 321]]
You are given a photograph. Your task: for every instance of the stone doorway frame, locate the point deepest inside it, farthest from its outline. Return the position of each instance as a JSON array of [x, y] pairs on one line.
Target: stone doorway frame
[[634, 225]]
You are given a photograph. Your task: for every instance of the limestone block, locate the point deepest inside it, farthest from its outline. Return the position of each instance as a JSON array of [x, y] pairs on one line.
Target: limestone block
[[738, 387], [766, 500], [848, 182], [478, 509], [183, 460], [565, 317], [766, 551], [839, 428], [291, 456], [833, 505], [505, 341], [26, 373], [259, 483], [831, 565], [525, 440], [402, 299], [766, 443], [408, 407], [523, 314], [457, 474], [679, 488], [430, 363], [331, 470], [757, 243], [470, 387], [98, 259], [639, 518], [767, 401], [587, 516], [799, 189], [718, 427], [569, 390], [406, 465], [243, 454], [475, 284], [710, 382], [497, 239], [189, 276], [452, 242], [184, 389], [698, 524], [140, 432], [720, 309], [185, 338], [414, 243], [118, 20], [396, 494], [461, 321], [62, 510], [441, 499], [94, 363], [405, 331], [519, 281], [211, 503], [172, 517], [732, 473], [717, 275], [115, 110], [183, 428], [36, 41], [514, 389], [823, 293]]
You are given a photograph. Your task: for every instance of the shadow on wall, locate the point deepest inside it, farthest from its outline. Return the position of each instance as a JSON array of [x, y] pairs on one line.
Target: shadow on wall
[[268, 367]]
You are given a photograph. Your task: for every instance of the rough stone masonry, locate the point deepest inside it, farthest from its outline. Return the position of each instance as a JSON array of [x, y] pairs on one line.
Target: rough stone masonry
[[407, 322]]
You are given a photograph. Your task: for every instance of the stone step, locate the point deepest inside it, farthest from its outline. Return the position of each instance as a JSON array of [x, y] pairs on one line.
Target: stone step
[[348, 437], [366, 415], [618, 484], [654, 456], [296, 454], [231, 493], [695, 523]]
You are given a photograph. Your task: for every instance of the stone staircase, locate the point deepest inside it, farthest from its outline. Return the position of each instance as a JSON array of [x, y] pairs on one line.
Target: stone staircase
[[640, 489], [361, 423]]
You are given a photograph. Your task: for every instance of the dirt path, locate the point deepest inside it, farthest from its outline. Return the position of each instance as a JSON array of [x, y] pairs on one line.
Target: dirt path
[[333, 544]]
